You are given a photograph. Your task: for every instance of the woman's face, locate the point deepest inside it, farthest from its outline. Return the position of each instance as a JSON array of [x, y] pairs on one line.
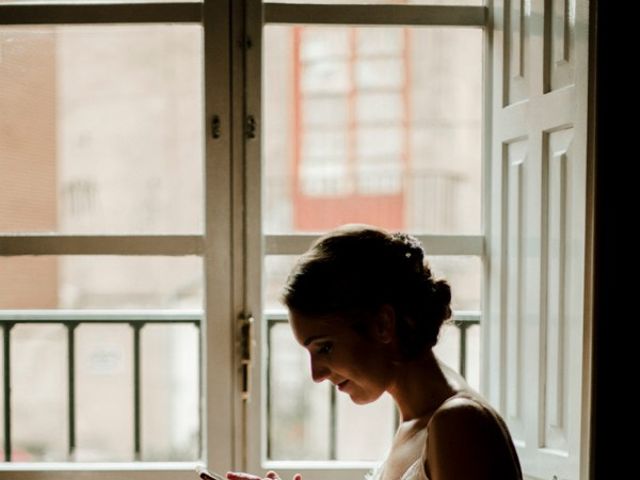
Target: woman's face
[[357, 365]]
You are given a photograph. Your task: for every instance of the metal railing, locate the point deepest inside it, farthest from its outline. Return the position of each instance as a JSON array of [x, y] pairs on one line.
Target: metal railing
[[71, 319], [462, 320]]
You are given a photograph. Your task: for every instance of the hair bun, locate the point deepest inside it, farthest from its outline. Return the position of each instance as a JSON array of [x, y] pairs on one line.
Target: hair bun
[[357, 269], [442, 298]]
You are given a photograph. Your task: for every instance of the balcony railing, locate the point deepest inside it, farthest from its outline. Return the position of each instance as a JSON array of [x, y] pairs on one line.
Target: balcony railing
[[71, 319], [462, 320], [136, 321]]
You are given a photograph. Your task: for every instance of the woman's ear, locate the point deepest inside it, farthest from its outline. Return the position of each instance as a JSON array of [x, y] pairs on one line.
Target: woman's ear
[[385, 324]]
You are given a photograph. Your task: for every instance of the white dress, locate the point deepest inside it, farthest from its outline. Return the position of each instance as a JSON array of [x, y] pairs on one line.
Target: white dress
[[417, 471], [414, 472]]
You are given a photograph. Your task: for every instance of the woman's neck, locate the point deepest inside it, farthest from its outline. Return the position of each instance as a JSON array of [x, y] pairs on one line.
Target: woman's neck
[[421, 385]]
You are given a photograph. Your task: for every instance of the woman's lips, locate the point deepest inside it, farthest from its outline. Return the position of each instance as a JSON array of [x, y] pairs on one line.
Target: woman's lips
[[342, 385]]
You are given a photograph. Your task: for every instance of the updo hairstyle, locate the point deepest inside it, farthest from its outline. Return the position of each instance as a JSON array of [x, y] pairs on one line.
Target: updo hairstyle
[[356, 269]]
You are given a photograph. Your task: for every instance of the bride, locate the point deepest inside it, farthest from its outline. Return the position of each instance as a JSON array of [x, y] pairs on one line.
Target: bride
[[364, 304]]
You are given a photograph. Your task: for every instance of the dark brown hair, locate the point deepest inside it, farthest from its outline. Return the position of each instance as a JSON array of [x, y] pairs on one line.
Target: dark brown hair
[[356, 269]]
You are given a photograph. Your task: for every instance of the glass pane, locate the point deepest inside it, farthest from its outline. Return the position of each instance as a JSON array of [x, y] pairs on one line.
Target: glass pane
[[464, 274], [358, 437], [113, 282], [101, 129], [277, 268], [170, 393], [373, 125], [39, 382], [299, 410], [104, 393]]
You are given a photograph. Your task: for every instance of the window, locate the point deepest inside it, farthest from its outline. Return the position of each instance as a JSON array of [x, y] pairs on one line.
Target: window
[[107, 237], [366, 120], [161, 165]]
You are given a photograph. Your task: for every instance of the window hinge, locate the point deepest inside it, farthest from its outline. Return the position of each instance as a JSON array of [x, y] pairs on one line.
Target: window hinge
[[246, 351], [251, 127]]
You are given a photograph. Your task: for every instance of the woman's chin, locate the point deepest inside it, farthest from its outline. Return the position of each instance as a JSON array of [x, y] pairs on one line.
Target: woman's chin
[[363, 399]]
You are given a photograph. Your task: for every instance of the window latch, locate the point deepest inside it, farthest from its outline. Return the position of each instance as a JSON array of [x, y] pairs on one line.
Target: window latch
[[215, 127], [246, 331], [251, 127]]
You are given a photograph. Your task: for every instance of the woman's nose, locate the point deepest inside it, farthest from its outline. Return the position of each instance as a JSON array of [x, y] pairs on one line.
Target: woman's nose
[[319, 372]]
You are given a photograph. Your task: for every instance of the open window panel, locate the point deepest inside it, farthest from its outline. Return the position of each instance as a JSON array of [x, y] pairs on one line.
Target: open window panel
[[115, 309], [466, 126], [379, 125], [538, 299]]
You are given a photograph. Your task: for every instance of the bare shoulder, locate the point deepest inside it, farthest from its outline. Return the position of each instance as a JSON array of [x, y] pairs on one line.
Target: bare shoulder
[[460, 417], [466, 407], [468, 439]]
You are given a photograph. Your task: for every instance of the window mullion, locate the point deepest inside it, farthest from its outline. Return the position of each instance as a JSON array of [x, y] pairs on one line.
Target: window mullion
[[433, 244], [418, 15], [99, 471], [218, 366], [255, 423], [242, 313], [48, 244]]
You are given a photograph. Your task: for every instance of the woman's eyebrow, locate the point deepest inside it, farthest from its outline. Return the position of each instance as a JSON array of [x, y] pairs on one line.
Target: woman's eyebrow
[[313, 338]]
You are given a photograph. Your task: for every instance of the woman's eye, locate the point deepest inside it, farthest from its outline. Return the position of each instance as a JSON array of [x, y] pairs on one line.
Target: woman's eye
[[325, 348]]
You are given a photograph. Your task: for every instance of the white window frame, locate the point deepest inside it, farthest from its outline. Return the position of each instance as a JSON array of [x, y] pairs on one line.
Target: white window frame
[[215, 245], [233, 245], [260, 244]]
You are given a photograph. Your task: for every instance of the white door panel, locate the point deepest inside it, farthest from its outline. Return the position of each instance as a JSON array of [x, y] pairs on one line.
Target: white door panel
[[537, 323]]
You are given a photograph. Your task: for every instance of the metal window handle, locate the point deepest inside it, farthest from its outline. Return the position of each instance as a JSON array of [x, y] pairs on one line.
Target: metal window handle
[[251, 127], [215, 126]]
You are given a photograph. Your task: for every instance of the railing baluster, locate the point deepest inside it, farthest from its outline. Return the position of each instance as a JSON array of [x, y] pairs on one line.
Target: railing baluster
[[136, 389], [7, 390], [200, 399], [71, 365], [269, 380], [462, 362]]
